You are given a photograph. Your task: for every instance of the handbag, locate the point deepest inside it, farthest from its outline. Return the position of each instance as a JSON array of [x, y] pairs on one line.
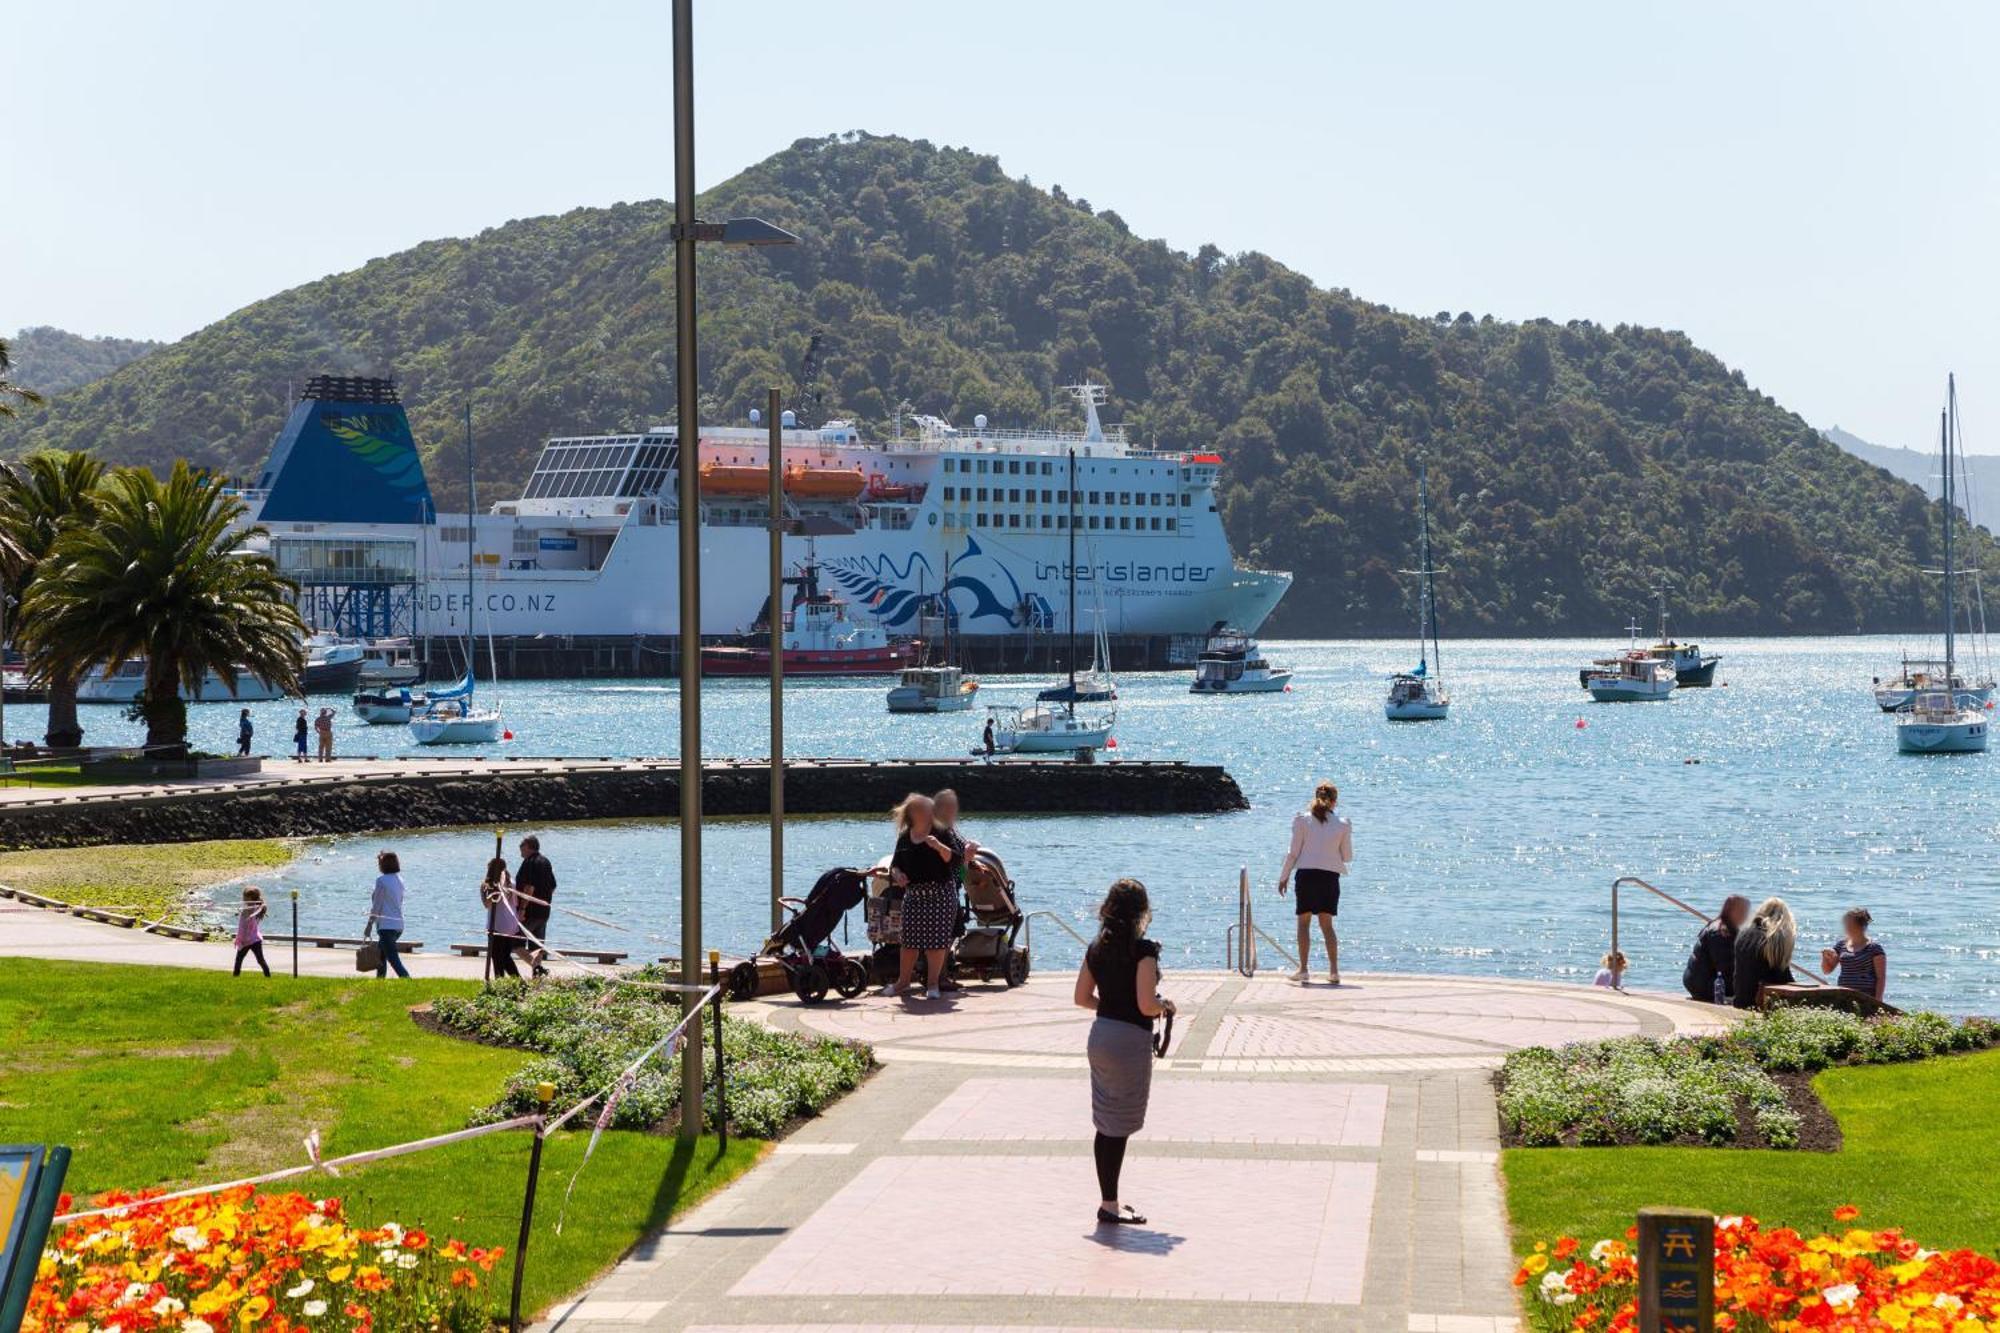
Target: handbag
[[369, 956]]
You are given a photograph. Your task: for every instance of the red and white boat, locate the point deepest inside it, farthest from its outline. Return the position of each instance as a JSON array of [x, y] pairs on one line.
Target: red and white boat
[[819, 640]]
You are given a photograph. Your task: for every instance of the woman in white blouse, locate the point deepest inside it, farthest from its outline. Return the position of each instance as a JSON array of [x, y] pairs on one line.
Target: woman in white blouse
[[1322, 845]]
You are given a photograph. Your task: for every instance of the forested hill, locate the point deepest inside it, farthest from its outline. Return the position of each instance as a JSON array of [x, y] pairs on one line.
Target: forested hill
[[1573, 467], [51, 360]]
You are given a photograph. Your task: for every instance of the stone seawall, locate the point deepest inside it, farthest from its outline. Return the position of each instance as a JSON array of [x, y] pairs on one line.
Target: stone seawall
[[518, 797]]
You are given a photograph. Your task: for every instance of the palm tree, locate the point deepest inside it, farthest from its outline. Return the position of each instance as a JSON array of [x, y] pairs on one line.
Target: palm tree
[[41, 497], [10, 392], [164, 572]]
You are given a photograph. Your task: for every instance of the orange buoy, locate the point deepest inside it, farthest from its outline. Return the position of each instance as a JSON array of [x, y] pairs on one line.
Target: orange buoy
[[1581, 724]]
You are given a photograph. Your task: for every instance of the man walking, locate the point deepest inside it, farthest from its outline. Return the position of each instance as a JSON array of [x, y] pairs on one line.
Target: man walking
[[535, 883]]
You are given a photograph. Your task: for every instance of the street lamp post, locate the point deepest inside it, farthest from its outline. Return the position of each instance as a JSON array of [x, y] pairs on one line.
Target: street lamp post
[[687, 230], [777, 629]]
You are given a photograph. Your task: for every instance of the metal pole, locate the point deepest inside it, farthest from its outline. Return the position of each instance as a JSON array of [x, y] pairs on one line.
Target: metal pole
[[295, 934], [545, 1092], [688, 436], [777, 628], [721, 1084]]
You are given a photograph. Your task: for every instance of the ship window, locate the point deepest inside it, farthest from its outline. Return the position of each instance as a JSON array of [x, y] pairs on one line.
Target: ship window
[[1124, 522], [1062, 521], [1014, 494], [981, 465], [981, 520], [1014, 466], [1013, 520], [1045, 521], [948, 493], [1186, 500], [1093, 497], [982, 493], [1154, 499], [1156, 525], [1093, 522], [1045, 496], [1170, 525], [1062, 497], [1048, 469], [1124, 497]]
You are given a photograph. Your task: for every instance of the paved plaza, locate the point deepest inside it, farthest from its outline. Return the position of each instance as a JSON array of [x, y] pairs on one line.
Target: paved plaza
[[1313, 1158]]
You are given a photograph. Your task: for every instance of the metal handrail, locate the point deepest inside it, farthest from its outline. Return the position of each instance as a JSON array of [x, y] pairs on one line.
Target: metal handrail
[[1239, 941], [1658, 892], [1028, 929]]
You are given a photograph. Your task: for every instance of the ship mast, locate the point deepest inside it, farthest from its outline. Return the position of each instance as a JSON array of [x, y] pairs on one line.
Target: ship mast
[[471, 506], [1944, 440]]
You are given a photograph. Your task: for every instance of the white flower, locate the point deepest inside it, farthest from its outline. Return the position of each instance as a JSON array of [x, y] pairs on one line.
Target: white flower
[[1729, 1221], [133, 1291], [167, 1305], [1604, 1249], [407, 1260], [190, 1238], [1944, 1300], [1841, 1296], [303, 1289], [314, 1309], [394, 1231], [197, 1326], [1553, 1281], [1563, 1298], [387, 1254], [316, 1221]]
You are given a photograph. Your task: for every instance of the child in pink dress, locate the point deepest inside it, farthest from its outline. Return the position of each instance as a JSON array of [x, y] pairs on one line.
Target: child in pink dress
[[250, 930]]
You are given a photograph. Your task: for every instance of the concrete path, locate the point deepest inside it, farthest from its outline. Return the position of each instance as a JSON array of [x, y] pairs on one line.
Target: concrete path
[[1313, 1158]]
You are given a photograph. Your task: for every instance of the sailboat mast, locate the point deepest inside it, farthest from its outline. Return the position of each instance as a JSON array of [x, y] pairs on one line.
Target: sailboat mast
[[1950, 575], [471, 507], [1427, 590], [1072, 580]]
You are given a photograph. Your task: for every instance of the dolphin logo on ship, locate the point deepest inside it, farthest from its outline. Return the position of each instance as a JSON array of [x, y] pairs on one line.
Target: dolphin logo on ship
[[894, 595]]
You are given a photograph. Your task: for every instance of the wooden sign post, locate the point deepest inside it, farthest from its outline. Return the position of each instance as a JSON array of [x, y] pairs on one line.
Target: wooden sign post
[[1676, 1271], [31, 1178]]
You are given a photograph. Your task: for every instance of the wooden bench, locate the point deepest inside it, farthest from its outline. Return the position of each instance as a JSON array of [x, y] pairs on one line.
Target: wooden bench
[[605, 956], [107, 918], [340, 942], [180, 932], [1824, 997]]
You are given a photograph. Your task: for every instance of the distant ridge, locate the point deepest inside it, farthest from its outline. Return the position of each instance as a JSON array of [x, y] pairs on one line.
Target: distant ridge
[[51, 360], [1920, 469], [1573, 467]]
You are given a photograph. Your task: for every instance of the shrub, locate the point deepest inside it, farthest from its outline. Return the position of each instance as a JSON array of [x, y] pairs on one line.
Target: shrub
[[586, 1031]]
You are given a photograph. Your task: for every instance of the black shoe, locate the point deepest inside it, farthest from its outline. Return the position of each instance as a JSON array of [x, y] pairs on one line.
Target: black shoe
[[1125, 1216]]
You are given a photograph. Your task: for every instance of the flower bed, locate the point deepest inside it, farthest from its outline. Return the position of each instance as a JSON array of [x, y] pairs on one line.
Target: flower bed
[[254, 1261], [1774, 1280], [1745, 1088], [586, 1030]]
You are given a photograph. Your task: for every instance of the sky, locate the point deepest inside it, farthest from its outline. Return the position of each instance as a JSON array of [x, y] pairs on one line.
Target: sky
[[1808, 190]]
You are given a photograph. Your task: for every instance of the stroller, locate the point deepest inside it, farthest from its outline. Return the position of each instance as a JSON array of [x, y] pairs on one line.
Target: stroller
[[804, 949], [990, 923]]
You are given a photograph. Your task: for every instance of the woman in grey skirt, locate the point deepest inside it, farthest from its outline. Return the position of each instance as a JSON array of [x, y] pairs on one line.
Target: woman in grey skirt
[[1120, 983]]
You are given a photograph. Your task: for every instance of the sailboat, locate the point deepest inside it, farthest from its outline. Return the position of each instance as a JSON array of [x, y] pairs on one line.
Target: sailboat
[[451, 716], [1938, 722], [1050, 725], [1419, 695]]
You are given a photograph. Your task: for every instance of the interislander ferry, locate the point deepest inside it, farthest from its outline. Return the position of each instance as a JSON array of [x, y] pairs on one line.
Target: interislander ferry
[[589, 547]]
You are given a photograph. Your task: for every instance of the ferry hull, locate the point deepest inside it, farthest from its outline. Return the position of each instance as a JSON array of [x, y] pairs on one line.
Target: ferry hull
[[834, 662]]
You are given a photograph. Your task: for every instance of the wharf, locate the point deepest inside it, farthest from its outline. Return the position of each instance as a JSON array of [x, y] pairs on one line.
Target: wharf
[[291, 799]]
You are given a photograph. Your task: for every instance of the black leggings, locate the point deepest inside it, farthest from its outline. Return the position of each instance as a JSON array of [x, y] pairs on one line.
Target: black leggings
[[255, 950], [1110, 1154]]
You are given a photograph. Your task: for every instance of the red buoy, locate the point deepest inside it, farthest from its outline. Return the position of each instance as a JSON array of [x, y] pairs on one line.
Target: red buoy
[[1581, 724], [506, 735]]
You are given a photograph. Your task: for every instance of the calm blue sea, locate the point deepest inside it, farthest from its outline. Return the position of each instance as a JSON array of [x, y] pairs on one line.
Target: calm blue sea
[[1485, 844]]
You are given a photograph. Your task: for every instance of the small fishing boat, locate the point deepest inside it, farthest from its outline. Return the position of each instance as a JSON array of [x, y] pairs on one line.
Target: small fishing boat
[[1692, 668], [1938, 720], [391, 662], [1419, 695], [333, 665], [1232, 663], [128, 681], [932, 689], [1634, 676], [391, 706]]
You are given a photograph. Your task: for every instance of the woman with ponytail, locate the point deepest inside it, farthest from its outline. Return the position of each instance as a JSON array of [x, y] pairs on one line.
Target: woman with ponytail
[[1322, 845], [1120, 983]]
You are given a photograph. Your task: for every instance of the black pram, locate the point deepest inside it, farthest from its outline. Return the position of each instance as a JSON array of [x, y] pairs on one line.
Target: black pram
[[804, 945]]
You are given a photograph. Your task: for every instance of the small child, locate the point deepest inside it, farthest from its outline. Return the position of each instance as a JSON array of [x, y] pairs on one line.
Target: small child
[[1611, 971], [1862, 963], [250, 930]]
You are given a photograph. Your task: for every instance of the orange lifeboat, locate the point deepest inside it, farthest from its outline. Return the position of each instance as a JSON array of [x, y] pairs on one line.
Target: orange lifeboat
[[719, 479], [821, 483]]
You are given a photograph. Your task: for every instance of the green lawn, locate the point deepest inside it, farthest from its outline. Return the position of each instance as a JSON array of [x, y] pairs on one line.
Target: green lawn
[[48, 775], [153, 879], [1920, 1153], [157, 1076]]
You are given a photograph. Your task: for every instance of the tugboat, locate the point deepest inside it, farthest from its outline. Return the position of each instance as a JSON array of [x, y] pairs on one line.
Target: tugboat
[[1691, 669], [1232, 663], [819, 641]]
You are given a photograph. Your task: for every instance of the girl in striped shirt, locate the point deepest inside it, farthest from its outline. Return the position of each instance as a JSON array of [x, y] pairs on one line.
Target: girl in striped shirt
[[1862, 964]]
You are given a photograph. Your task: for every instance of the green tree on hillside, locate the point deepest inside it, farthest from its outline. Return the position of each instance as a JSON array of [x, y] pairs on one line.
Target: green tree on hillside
[[11, 394], [165, 573], [43, 497]]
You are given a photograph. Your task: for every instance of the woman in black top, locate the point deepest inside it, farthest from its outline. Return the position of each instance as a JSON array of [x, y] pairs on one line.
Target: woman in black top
[[1714, 956], [923, 867], [1120, 982], [1763, 952]]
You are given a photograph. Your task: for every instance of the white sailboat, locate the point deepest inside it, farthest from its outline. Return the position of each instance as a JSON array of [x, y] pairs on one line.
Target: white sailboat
[[1051, 725], [451, 716], [1938, 721], [1419, 696]]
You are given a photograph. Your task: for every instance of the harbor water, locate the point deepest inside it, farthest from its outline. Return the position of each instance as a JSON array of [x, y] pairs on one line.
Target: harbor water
[[1485, 844]]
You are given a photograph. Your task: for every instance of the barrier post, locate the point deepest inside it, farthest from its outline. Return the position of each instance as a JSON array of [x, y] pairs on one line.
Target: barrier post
[[295, 934], [721, 1084], [544, 1093]]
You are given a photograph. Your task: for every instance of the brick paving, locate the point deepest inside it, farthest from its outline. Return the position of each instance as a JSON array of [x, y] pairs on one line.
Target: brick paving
[[1313, 1158]]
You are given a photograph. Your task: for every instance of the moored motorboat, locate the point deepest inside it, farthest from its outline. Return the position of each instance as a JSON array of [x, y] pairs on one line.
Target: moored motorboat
[[128, 681], [932, 689], [1232, 663], [389, 705], [819, 640], [1693, 669], [333, 665], [1634, 676]]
